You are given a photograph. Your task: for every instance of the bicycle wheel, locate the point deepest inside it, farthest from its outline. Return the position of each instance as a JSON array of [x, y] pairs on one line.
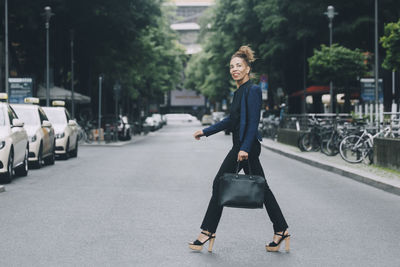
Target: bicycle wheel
[[331, 147], [353, 149], [89, 137], [325, 137], [307, 142], [325, 148]]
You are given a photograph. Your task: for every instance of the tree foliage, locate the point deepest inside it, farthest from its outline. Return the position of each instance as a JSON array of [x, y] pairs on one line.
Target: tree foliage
[[391, 42], [283, 33], [129, 41], [337, 63]]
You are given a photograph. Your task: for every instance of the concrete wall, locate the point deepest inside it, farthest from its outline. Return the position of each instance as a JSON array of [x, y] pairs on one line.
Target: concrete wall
[[289, 136], [387, 153]]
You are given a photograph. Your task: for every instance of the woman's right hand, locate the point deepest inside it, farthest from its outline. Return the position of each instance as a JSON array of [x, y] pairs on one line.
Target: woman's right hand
[[198, 134]]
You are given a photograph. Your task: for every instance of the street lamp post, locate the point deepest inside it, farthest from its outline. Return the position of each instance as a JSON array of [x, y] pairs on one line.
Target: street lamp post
[[330, 13], [99, 122], [6, 45], [117, 91], [376, 67], [72, 75], [47, 14]]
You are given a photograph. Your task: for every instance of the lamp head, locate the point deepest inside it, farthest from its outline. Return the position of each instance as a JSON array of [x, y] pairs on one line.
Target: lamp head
[[331, 12], [47, 13]]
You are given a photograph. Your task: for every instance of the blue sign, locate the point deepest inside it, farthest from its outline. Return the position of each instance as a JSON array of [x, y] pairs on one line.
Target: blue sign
[[264, 86], [368, 90], [20, 88]]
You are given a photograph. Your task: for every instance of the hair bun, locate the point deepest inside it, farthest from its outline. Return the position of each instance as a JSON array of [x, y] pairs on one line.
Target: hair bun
[[246, 53]]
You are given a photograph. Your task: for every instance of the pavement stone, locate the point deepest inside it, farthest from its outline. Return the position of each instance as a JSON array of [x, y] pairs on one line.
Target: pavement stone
[[367, 174], [2, 188]]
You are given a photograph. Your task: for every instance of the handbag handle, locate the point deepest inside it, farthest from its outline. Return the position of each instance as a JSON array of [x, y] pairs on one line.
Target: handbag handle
[[238, 166]]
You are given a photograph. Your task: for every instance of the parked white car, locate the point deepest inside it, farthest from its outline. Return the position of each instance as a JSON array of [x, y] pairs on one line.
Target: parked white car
[[150, 123], [180, 117], [42, 141], [14, 147], [158, 120], [66, 129]]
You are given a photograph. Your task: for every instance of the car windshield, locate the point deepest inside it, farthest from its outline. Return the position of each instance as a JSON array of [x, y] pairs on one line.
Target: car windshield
[[2, 118], [56, 116], [28, 116]]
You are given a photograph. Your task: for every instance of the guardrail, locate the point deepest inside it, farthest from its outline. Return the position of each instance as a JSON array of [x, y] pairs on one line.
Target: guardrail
[[300, 122], [392, 119]]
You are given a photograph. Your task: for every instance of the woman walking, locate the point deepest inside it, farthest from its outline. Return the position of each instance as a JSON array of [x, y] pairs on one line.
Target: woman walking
[[243, 123]]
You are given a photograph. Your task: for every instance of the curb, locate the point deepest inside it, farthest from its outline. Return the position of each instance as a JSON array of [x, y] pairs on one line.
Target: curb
[[2, 188], [111, 144], [346, 173]]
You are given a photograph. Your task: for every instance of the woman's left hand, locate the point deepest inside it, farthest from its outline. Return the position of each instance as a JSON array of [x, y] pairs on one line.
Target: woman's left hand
[[243, 155]]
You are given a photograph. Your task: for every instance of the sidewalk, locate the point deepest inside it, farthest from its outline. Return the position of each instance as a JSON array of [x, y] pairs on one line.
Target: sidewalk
[[368, 174]]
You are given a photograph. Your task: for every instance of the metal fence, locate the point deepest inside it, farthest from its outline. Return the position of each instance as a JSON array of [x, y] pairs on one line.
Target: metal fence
[[301, 122], [304, 122], [392, 119]]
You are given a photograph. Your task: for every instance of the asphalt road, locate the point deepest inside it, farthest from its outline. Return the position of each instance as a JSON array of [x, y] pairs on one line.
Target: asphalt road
[[139, 205]]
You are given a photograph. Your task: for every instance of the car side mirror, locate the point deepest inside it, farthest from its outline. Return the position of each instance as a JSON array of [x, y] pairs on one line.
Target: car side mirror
[[72, 123], [17, 123], [46, 124]]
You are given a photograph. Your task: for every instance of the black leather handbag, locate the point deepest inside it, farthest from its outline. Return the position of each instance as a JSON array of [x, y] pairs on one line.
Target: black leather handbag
[[241, 190]]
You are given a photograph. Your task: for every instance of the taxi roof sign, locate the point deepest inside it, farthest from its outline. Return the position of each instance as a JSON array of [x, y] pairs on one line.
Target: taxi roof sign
[[3, 97], [31, 100], [58, 103]]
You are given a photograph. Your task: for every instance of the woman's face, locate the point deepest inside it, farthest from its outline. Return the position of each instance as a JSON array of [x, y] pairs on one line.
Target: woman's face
[[239, 68]]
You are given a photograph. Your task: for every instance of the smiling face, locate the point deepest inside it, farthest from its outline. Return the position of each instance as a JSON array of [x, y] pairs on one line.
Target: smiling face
[[239, 69]]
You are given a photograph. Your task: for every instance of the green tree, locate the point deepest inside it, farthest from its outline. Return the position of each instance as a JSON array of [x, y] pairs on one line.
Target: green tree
[[391, 42], [338, 64], [129, 42], [283, 34]]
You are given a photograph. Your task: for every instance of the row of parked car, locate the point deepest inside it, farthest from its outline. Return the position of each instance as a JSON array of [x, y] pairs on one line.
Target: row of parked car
[[212, 118], [32, 136], [155, 121]]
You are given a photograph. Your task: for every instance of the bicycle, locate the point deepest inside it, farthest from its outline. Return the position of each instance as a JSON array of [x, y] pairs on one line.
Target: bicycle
[[339, 133], [86, 133], [356, 148], [317, 137], [269, 127]]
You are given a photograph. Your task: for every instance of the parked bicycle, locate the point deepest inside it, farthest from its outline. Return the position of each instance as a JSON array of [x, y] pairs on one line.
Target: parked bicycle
[[86, 132], [269, 127], [356, 148], [317, 138], [340, 131]]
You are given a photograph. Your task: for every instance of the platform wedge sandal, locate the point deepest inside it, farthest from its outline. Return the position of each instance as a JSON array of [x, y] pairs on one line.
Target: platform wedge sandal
[[198, 245]]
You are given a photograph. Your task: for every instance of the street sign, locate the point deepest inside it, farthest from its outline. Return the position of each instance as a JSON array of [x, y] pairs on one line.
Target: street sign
[[264, 86], [20, 88], [368, 89]]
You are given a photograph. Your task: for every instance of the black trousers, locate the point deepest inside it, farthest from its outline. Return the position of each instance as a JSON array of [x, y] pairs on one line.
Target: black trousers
[[214, 210]]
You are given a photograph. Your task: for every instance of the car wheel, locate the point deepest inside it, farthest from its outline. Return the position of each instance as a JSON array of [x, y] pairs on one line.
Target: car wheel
[[129, 135], [67, 152], [39, 162], [74, 153], [23, 169], [8, 176], [52, 158]]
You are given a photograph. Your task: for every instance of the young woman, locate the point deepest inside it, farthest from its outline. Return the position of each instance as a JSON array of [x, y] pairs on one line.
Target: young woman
[[243, 122]]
